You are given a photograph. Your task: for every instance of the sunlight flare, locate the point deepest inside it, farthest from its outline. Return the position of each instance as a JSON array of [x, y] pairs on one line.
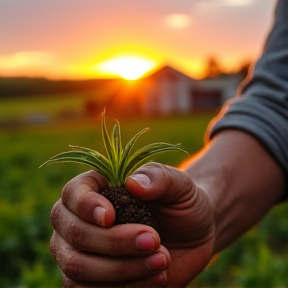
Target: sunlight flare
[[130, 68]]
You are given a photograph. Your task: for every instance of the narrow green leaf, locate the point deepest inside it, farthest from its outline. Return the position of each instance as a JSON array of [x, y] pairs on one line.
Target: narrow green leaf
[[91, 152], [84, 149], [116, 141], [145, 154], [82, 157], [107, 143], [126, 151], [119, 163]]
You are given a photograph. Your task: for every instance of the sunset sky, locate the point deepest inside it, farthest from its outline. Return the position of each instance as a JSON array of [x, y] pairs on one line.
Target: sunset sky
[[108, 38]]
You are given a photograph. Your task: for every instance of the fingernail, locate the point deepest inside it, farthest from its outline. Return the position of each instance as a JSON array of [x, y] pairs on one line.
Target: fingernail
[[157, 262], [145, 241], [158, 280], [99, 215], [142, 179]]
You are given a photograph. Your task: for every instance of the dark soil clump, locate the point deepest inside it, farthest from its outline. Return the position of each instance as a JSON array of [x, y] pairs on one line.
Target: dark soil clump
[[128, 208]]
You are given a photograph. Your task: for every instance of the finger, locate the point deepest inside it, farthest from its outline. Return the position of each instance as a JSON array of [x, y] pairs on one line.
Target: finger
[[158, 280], [92, 268], [179, 202], [79, 196], [119, 240], [166, 184]]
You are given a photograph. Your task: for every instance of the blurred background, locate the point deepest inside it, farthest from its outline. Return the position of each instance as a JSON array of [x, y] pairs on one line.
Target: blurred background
[[167, 65]]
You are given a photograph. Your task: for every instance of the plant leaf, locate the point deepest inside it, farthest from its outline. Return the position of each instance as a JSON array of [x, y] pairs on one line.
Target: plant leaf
[[126, 151], [92, 153], [145, 154], [83, 158], [107, 143], [116, 142], [119, 163]]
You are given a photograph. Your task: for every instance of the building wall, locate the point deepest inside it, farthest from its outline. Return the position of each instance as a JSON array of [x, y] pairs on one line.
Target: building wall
[[169, 92]]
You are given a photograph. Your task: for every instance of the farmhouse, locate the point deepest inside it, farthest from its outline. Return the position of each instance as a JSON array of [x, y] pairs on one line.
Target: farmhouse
[[169, 91]]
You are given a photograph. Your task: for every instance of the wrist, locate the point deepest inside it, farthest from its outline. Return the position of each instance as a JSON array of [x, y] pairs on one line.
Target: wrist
[[241, 180]]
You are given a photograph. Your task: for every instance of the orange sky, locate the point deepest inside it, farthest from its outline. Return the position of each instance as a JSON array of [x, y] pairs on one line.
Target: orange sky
[[76, 39]]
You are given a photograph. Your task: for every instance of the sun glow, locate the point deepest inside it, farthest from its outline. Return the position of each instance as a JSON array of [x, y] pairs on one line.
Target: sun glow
[[130, 68]]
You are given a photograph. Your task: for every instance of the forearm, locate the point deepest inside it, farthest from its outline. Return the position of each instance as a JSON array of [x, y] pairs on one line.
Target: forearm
[[262, 105], [242, 180]]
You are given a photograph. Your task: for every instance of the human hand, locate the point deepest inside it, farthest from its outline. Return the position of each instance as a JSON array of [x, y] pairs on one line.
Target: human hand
[[131, 255]]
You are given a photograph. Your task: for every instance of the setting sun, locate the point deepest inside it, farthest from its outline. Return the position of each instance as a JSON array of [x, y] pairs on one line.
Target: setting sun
[[130, 68]]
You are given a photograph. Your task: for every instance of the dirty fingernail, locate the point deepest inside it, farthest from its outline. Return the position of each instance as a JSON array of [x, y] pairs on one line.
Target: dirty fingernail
[[99, 215], [142, 179]]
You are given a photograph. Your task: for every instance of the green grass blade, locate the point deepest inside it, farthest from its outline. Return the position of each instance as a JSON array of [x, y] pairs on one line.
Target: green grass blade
[[107, 143], [91, 152], [116, 141], [126, 151], [83, 149], [145, 154], [78, 161], [81, 157], [84, 155]]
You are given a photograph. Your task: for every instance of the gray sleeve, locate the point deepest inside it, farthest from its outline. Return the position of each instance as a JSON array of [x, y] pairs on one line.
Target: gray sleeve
[[261, 108]]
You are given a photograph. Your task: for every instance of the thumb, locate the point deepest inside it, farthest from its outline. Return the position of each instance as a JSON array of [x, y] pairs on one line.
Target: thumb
[[155, 181]]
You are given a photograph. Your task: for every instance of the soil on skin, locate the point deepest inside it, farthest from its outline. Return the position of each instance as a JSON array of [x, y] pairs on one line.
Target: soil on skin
[[128, 208]]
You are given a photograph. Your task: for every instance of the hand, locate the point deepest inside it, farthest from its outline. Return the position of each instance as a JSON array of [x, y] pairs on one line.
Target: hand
[[131, 253], [184, 214]]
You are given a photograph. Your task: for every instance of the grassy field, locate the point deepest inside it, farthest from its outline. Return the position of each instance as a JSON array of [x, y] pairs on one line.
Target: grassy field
[[27, 195], [22, 107]]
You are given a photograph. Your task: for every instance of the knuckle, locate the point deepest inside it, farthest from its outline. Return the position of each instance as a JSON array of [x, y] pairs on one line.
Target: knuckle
[[55, 215], [68, 283], [73, 268], [154, 166], [163, 172], [53, 246], [65, 192], [76, 234], [95, 177], [115, 248], [114, 244], [56, 249], [167, 172], [170, 178], [123, 273]]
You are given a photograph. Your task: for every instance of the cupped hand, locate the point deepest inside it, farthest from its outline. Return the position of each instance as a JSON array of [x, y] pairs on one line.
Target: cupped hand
[[93, 253], [184, 215]]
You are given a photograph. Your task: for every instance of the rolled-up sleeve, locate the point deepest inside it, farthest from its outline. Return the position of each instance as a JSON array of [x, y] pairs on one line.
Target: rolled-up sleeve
[[261, 108]]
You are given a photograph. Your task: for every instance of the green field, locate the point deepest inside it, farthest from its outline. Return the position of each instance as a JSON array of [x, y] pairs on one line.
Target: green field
[[27, 195], [22, 107]]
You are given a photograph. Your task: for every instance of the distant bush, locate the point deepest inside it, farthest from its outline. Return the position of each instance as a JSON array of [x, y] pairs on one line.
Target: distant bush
[[25, 86]]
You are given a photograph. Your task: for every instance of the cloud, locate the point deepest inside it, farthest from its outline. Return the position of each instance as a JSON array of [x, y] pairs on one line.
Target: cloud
[[235, 2], [26, 59], [208, 5], [177, 20]]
